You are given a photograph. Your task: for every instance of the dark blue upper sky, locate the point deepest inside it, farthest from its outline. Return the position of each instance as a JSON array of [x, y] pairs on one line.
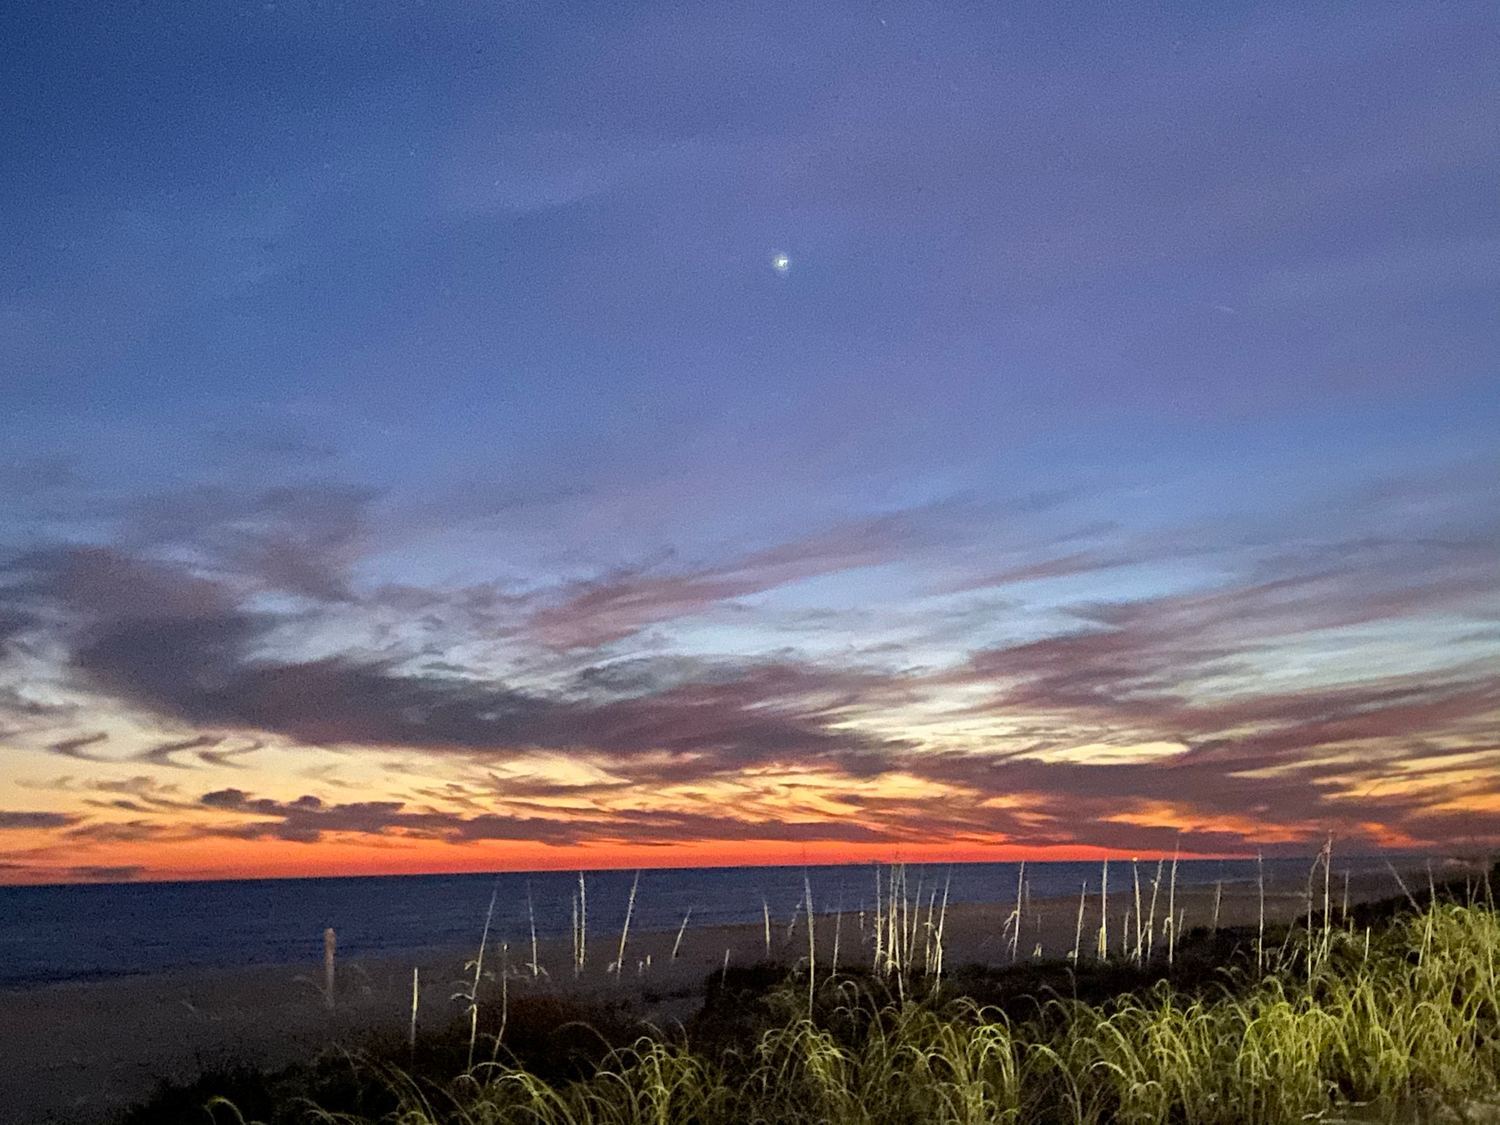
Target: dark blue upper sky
[[852, 309]]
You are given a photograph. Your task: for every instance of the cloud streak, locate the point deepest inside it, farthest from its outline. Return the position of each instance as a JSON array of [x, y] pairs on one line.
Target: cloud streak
[[1131, 724], [597, 612], [11, 819]]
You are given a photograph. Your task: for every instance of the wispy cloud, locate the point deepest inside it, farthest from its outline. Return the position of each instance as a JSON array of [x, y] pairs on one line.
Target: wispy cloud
[[595, 612], [75, 747], [14, 819], [163, 753]]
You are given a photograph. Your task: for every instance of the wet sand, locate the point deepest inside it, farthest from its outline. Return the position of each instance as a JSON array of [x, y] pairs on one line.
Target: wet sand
[[77, 1052]]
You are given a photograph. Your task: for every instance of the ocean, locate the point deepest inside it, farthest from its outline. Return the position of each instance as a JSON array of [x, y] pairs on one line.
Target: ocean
[[79, 932]]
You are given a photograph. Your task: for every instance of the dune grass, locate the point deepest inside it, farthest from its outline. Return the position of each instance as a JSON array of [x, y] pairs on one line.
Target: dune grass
[[1394, 1019]]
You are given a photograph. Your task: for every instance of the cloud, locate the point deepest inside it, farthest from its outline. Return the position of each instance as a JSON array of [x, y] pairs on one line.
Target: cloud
[[162, 754], [75, 747], [1200, 669], [309, 820], [201, 671], [298, 539], [25, 478], [13, 623], [1272, 764], [267, 442], [227, 758], [81, 873], [106, 873], [177, 645], [1062, 566], [103, 583], [1143, 656], [494, 169], [596, 612], [11, 819], [178, 628]]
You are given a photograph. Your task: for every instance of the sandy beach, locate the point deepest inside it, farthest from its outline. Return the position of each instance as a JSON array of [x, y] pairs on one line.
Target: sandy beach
[[81, 1051]]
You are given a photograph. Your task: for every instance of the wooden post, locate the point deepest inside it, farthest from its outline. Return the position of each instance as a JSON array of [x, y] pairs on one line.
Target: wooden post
[[330, 943]]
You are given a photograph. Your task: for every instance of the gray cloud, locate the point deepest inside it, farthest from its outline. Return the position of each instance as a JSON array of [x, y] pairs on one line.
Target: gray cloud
[[13, 819], [309, 819], [75, 747], [175, 644], [299, 539], [25, 478], [163, 753], [592, 613], [106, 873]]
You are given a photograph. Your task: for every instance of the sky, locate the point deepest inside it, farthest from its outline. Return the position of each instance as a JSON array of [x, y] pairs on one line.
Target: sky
[[462, 435]]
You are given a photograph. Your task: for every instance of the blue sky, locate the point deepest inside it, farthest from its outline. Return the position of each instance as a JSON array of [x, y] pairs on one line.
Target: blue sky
[[447, 341]]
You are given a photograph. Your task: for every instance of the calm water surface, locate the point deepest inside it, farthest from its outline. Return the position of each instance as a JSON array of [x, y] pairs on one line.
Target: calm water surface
[[78, 932]]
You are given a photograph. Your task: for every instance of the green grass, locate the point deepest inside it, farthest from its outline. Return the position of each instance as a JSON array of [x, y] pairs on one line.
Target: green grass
[[1402, 1025]]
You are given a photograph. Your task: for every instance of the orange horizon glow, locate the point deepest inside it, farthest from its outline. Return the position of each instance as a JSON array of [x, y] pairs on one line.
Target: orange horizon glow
[[337, 860]]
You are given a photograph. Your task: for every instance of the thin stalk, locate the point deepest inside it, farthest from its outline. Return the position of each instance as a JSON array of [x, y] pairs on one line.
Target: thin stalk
[[915, 921], [942, 922], [1151, 922], [504, 999], [531, 919], [1036, 921], [583, 921], [1104, 911], [893, 941], [1311, 874], [1327, 901], [484, 938], [1135, 870], [893, 920], [625, 929], [1260, 934], [927, 930], [411, 1031], [1015, 938], [1172, 907], [838, 925], [812, 951], [765, 910], [1400, 882], [682, 929], [906, 923], [1078, 928]]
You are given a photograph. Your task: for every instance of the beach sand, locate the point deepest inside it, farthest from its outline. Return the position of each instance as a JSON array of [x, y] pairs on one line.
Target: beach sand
[[80, 1051]]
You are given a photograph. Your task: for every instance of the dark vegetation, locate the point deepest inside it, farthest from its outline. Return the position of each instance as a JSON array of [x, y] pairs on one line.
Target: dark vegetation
[[1391, 1009]]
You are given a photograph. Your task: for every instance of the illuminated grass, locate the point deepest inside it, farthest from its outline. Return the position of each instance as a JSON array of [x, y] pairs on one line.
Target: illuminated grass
[[1402, 1023]]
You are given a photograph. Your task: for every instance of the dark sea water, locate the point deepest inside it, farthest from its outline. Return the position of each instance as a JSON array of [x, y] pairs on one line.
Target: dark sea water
[[59, 933]]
